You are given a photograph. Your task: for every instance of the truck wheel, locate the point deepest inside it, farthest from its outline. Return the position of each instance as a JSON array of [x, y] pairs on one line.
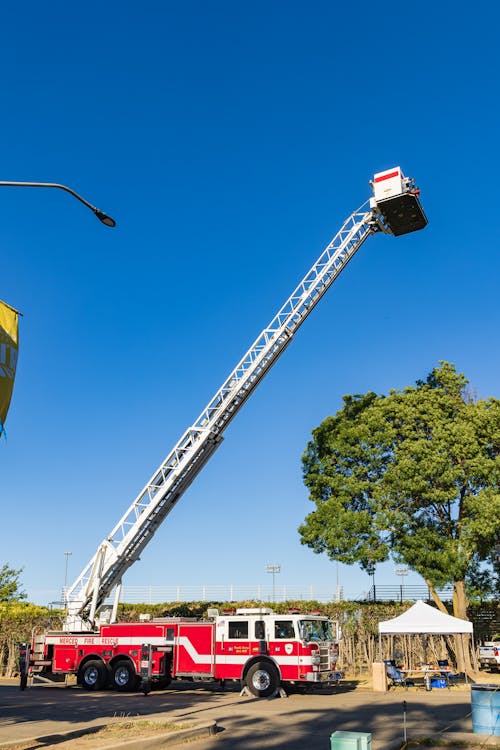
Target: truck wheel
[[123, 677], [262, 679], [93, 675]]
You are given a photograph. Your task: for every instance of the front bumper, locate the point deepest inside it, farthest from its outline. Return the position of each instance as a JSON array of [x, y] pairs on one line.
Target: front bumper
[[325, 677]]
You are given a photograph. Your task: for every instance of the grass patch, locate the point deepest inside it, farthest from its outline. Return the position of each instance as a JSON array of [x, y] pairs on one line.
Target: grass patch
[[450, 744], [142, 724], [130, 729]]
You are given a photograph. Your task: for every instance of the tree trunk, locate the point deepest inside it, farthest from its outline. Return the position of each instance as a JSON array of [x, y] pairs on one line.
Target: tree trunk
[[460, 600], [462, 643], [437, 601], [12, 651]]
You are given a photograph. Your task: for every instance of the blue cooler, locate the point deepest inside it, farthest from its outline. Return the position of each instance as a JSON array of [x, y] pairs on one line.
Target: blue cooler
[[350, 741], [485, 709], [438, 682]]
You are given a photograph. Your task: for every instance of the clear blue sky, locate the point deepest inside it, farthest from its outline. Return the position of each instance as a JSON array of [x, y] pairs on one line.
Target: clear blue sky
[[230, 141]]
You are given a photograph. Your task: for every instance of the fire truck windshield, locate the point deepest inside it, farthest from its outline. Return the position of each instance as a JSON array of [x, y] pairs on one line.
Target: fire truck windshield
[[315, 630]]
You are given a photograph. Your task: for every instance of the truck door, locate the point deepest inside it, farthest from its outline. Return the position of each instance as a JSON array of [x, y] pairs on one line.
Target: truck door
[[235, 638], [284, 647], [194, 649]]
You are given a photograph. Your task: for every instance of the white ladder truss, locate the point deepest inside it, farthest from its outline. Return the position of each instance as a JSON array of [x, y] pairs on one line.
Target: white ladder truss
[[135, 529]]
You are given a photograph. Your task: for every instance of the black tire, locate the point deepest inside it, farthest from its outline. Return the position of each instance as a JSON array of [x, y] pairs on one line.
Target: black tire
[[262, 679], [123, 677], [93, 675], [163, 683]]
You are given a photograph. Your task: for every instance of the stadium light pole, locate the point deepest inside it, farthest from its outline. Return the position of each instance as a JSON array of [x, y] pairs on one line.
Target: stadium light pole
[[65, 596], [103, 217], [273, 568]]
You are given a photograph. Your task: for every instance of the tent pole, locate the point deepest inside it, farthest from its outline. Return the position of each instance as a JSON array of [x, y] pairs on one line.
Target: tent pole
[[463, 657], [476, 668]]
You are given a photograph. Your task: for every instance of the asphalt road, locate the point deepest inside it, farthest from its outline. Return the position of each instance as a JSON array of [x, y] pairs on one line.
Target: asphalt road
[[299, 721]]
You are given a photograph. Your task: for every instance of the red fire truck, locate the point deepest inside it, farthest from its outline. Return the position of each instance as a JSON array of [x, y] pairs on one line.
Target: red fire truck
[[247, 646], [256, 647]]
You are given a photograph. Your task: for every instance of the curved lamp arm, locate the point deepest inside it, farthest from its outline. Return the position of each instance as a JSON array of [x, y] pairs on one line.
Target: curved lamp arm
[[104, 218]]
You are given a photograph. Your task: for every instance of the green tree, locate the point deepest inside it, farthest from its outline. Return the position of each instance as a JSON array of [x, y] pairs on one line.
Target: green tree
[[413, 476], [17, 622], [10, 586]]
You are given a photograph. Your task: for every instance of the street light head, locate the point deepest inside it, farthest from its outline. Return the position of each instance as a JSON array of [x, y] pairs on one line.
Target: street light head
[[104, 218]]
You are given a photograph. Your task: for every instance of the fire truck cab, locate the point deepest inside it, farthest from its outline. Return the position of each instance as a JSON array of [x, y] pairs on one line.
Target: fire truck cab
[[266, 650]]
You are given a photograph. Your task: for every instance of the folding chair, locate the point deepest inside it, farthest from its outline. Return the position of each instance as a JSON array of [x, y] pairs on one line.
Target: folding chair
[[396, 677]]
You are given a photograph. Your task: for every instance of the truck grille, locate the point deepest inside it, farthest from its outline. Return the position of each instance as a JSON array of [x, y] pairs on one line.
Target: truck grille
[[324, 656]]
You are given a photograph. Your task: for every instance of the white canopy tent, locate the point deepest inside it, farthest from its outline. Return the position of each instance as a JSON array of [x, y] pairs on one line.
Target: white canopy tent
[[423, 619]]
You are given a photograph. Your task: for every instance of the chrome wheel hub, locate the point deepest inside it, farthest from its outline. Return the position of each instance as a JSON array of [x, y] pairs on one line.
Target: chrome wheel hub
[[261, 680], [121, 676]]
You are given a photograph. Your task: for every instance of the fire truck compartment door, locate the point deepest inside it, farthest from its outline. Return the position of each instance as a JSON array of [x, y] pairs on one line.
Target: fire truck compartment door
[[194, 649], [65, 659]]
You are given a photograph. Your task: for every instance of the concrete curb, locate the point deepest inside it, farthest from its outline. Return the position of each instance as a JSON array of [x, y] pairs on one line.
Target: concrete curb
[[202, 730], [206, 729]]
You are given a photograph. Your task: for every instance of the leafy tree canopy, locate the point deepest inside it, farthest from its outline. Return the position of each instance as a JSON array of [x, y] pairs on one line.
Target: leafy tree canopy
[[414, 475], [10, 586]]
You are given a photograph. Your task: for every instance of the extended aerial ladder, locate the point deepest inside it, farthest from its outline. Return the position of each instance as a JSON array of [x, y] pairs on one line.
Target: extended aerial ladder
[[394, 209]]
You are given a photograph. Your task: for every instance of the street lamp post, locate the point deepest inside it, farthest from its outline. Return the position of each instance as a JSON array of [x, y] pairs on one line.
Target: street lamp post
[[401, 572], [104, 218], [273, 568], [65, 590], [371, 572]]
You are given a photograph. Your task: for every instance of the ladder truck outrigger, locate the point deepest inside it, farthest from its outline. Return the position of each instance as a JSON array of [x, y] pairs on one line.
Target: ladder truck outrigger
[[261, 649]]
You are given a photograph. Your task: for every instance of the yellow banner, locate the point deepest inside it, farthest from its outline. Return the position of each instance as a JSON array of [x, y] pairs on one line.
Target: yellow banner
[[9, 344]]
